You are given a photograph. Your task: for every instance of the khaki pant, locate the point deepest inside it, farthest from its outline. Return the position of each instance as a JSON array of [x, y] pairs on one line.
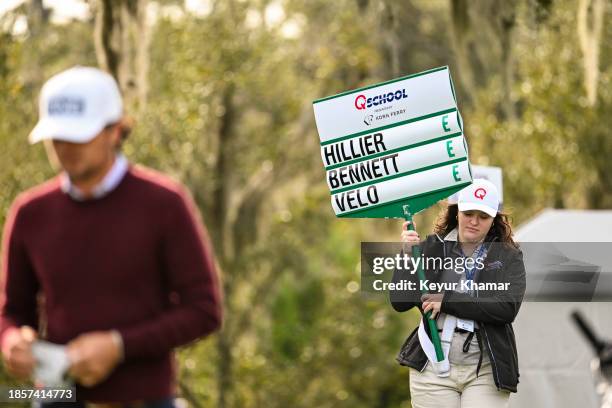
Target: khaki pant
[[462, 389]]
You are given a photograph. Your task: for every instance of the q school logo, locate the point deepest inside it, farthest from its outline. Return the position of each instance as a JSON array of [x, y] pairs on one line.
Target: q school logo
[[361, 102]]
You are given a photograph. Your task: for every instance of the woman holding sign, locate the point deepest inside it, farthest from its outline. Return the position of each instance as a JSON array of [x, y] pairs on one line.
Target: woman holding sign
[[473, 259]]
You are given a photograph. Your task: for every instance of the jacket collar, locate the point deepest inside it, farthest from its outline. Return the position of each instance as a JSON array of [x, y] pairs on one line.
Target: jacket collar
[[452, 236]]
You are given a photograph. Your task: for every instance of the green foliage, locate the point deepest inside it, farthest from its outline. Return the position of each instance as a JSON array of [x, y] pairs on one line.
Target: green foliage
[[555, 154]]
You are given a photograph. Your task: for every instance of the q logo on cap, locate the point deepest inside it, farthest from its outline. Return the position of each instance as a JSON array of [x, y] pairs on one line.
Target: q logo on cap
[[480, 193]]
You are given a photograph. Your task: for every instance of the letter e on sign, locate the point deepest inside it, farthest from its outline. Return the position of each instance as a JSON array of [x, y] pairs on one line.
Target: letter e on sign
[[456, 173], [449, 148], [445, 123]]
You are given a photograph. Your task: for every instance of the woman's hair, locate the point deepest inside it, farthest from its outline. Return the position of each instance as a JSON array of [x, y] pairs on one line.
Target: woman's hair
[[447, 221]]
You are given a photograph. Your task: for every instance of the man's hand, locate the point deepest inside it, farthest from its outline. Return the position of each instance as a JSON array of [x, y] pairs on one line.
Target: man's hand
[[17, 352], [432, 302], [93, 356]]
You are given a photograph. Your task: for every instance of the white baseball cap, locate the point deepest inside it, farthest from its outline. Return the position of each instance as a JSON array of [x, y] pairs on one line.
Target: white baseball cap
[[481, 195], [76, 104]]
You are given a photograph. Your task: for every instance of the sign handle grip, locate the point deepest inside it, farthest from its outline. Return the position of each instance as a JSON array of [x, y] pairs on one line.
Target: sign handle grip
[[416, 253]]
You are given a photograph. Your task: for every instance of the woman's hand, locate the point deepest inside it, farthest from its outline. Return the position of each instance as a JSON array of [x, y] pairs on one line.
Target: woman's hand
[[432, 302], [409, 238]]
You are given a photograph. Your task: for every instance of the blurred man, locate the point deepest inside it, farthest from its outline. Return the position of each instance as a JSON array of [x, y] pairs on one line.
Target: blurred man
[[117, 252]]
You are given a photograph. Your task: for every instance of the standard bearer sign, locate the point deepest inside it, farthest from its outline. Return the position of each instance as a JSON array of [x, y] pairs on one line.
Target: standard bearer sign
[[395, 143]]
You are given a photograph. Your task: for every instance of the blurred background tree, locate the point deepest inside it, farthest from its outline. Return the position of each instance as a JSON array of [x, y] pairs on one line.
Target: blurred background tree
[[221, 92]]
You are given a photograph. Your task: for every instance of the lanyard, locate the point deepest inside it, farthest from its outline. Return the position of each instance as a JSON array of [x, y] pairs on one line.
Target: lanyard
[[481, 252]]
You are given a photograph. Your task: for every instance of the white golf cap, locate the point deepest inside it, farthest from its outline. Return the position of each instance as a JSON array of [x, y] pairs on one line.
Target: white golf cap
[[76, 104], [481, 195]]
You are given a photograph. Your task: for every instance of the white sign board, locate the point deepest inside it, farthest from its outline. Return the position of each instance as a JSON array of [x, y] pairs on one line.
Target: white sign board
[[395, 143]]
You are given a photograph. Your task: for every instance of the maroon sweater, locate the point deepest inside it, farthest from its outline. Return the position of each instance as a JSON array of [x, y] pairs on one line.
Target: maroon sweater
[[137, 260]]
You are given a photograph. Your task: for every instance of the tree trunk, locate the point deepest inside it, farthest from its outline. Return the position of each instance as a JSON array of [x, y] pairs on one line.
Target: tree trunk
[[391, 38], [122, 37], [590, 28], [220, 231], [460, 30], [505, 30], [37, 17], [482, 36]]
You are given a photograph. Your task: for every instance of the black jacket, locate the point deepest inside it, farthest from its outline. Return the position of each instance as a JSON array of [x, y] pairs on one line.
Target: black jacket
[[493, 310]]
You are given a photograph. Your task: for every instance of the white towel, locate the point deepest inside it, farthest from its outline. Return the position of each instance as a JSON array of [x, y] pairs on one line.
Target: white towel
[[442, 368]]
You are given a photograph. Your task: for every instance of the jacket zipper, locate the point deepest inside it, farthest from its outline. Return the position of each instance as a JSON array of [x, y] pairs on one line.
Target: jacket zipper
[[494, 364], [492, 356]]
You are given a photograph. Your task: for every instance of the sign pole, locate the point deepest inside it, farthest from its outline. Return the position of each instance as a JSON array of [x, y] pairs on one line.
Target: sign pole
[[416, 253]]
